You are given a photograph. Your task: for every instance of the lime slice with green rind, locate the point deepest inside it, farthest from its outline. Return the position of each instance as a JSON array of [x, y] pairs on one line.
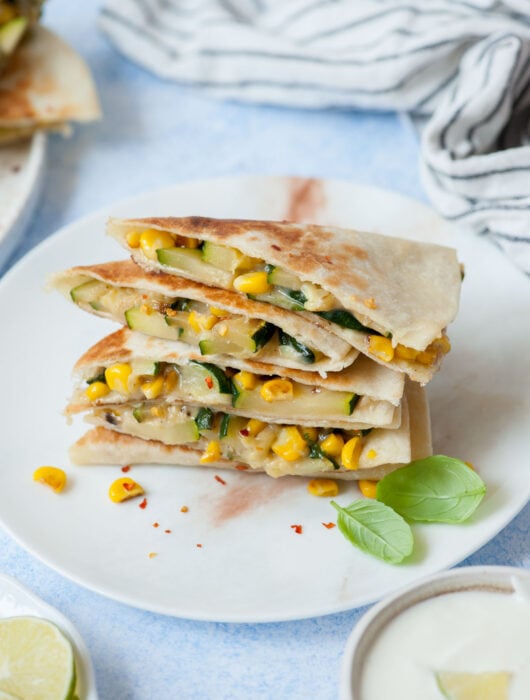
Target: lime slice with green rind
[[36, 660], [474, 686]]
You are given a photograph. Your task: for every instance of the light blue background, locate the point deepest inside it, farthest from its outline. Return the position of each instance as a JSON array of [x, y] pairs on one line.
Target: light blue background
[[156, 133]]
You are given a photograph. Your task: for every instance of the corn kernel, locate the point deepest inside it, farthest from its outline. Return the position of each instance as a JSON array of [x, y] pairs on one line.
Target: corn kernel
[[332, 445], [371, 454], [290, 445], [370, 303], [427, 357], [153, 387], [381, 347], [133, 239], [152, 240], [201, 322], [170, 382], [53, 477], [117, 377], [158, 411], [124, 488], [255, 426], [323, 487], [277, 390], [310, 434], [470, 465], [351, 452], [212, 452], [368, 488], [442, 343], [216, 311], [252, 283], [405, 353], [245, 380], [192, 243], [96, 390]]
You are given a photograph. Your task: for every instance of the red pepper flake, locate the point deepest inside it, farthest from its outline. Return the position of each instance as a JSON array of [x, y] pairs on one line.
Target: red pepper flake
[[184, 509], [167, 532], [245, 432], [329, 525], [297, 529], [276, 247], [143, 504], [221, 481], [198, 545], [126, 468], [241, 467], [156, 525], [128, 486], [209, 382]]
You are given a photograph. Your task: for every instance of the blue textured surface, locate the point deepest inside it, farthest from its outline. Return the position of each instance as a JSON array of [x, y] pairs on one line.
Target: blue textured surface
[[156, 134]]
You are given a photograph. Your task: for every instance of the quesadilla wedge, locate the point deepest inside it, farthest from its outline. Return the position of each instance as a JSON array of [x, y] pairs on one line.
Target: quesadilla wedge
[[390, 298], [258, 446], [46, 85], [17, 17], [213, 321], [129, 368]]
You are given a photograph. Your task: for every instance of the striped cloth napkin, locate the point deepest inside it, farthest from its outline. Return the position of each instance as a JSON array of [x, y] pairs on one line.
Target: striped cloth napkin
[[461, 67]]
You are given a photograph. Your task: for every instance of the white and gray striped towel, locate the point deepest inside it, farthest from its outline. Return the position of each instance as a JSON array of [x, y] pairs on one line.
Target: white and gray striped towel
[[461, 65]]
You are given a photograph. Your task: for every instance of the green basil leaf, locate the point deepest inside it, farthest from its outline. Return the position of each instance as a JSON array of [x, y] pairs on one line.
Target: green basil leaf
[[376, 529], [435, 489]]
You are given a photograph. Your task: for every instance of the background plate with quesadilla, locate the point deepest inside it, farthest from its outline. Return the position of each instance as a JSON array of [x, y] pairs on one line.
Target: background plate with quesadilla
[[252, 565]]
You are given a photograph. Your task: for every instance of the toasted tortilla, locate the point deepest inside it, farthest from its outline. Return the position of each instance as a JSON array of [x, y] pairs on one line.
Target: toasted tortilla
[[378, 406], [126, 278], [46, 85], [392, 448], [404, 288]]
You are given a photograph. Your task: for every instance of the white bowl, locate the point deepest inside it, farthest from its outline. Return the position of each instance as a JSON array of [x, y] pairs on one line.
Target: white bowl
[[363, 636]]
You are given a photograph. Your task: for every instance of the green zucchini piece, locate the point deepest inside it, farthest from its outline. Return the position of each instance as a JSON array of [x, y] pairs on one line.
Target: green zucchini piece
[[225, 422], [285, 298], [204, 418], [97, 378], [224, 257], [316, 452], [304, 404], [243, 337], [189, 260], [222, 383], [262, 336], [89, 293], [153, 323], [281, 278], [345, 319], [181, 305], [287, 342]]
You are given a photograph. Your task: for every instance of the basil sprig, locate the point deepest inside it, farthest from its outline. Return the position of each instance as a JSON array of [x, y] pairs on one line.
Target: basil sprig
[[435, 489], [376, 529]]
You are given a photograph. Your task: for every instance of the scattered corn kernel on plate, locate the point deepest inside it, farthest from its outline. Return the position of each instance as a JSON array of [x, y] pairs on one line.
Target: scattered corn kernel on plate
[[229, 546]]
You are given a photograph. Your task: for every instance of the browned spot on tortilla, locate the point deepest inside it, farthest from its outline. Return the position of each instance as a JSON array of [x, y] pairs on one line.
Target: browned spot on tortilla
[[250, 493], [306, 199], [113, 345]]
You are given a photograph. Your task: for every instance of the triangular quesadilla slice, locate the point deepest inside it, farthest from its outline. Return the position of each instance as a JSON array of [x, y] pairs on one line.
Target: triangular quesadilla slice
[[233, 442], [213, 321], [390, 298], [129, 368], [46, 85]]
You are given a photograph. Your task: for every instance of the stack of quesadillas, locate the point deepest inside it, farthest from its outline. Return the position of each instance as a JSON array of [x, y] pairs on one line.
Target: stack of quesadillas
[[265, 346], [44, 83]]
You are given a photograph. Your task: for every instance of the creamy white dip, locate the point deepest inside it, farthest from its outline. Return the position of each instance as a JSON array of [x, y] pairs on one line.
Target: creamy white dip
[[468, 631]]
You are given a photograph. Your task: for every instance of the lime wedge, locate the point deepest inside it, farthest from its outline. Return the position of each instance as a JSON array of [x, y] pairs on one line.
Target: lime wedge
[[36, 660], [474, 686]]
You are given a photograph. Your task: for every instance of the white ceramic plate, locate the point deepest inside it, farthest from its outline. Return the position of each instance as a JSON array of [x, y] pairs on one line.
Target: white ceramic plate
[[21, 169], [16, 600], [252, 565]]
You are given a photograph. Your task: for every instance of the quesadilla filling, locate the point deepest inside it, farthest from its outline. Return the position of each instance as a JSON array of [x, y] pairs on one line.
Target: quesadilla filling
[[213, 330], [277, 448], [228, 268], [207, 383]]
